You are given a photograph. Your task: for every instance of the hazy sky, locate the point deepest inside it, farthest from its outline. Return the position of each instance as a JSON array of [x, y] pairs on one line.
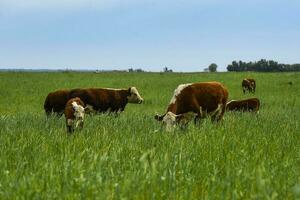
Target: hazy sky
[[184, 35]]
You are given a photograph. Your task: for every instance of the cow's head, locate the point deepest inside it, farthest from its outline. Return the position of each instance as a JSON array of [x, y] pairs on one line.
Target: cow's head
[[134, 96], [79, 111], [171, 120]]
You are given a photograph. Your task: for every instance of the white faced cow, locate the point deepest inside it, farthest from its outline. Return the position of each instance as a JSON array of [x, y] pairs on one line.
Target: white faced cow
[[107, 99], [196, 100], [74, 114], [248, 84]]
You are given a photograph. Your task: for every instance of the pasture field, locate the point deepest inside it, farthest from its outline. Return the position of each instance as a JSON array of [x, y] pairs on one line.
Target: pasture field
[[246, 156]]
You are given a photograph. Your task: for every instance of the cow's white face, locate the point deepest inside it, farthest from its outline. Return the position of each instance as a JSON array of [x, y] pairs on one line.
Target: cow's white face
[[134, 96], [78, 113], [170, 121]]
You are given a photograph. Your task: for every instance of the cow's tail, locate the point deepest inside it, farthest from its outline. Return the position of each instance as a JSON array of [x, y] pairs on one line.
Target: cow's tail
[[258, 106], [219, 112]]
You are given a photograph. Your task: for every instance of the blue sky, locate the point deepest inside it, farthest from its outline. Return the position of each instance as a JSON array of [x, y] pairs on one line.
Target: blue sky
[[148, 34]]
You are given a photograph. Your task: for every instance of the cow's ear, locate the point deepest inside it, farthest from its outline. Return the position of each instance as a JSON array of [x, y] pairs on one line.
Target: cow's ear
[[129, 90]]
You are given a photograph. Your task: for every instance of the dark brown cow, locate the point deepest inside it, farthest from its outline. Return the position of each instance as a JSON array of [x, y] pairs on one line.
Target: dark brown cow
[[74, 114], [251, 104], [107, 100], [56, 101], [198, 98], [248, 84]]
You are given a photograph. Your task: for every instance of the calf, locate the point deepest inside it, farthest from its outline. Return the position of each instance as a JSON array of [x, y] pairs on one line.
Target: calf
[[200, 99], [248, 84], [74, 114], [107, 100], [251, 104]]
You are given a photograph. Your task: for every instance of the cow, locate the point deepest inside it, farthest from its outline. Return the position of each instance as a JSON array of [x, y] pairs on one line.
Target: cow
[[56, 101], [74, 114], [248, 84], [200, 99], [107, 100], [251, 104]]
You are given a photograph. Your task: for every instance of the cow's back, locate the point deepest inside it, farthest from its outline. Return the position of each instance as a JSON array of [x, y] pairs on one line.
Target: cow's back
[[101, 99], [207, 95], [88, 96], [245, 83], [251, 104]]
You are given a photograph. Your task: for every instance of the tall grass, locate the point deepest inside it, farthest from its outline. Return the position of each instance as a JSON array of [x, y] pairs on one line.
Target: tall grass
[[246, 156]]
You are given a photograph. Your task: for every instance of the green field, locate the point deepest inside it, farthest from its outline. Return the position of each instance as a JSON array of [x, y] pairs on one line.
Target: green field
[[246, 156]]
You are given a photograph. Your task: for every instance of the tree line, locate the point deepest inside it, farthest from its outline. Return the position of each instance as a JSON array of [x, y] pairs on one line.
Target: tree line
[[262, 65]]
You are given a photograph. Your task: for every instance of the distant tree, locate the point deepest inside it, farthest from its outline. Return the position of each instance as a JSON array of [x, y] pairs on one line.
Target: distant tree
[[213, 67], [206, 70], [135, 70], [167, 70], [262, 65], [139, 70]]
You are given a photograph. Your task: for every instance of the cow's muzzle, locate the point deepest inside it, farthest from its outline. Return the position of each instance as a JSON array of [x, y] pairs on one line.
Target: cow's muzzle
[[141, 101]]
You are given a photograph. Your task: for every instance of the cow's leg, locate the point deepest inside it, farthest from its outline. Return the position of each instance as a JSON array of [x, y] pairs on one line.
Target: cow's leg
[[115, 113], [199, 112], [197, 120], [70, 125], [200, 115], [216, 113], [48, 113], [69, 129], [81, 125], [220, 116], [250, 89]]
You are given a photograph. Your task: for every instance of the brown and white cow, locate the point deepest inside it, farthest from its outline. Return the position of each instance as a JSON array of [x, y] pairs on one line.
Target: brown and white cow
[[200, 99], [74, 114], [248, 84], [56, 102], [107, 100], [251, 104]]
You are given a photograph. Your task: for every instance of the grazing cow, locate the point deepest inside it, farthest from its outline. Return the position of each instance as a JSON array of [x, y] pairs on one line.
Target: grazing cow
[[251, 104], [197, 98], [74, 114], [248, 84], [107, 100], [56, 102]]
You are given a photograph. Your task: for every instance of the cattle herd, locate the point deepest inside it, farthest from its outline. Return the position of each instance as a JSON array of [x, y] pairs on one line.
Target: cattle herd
[[192, 101]]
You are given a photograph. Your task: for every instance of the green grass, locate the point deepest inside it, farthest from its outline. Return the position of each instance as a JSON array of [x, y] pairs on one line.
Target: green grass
[[246, 156]]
